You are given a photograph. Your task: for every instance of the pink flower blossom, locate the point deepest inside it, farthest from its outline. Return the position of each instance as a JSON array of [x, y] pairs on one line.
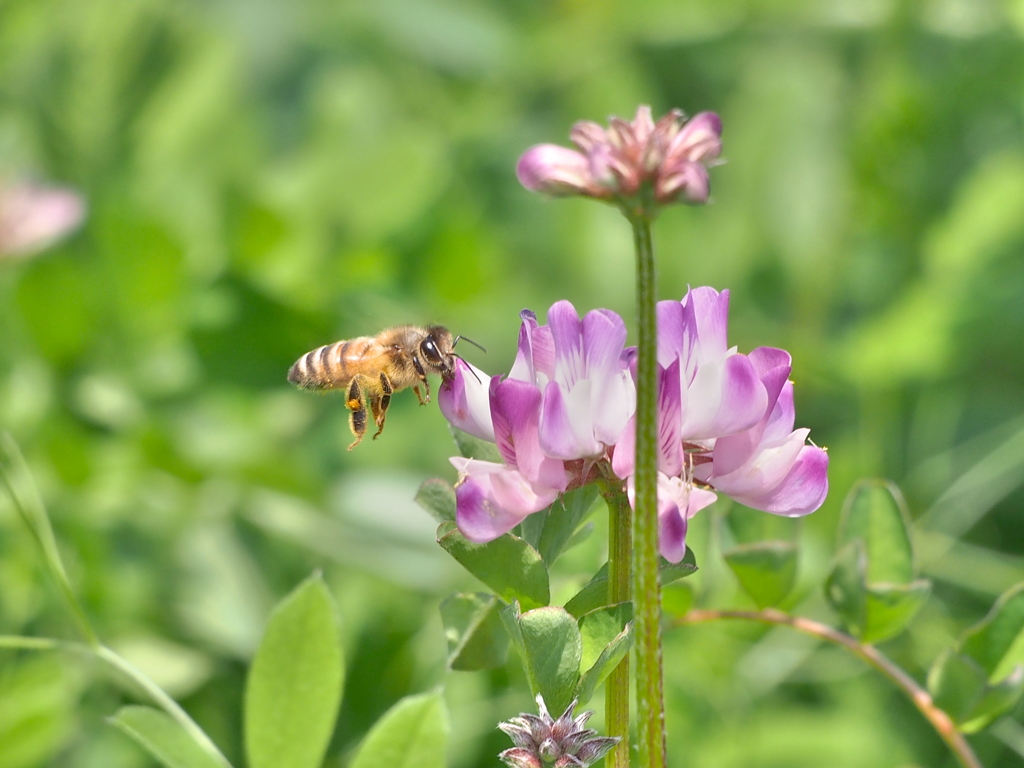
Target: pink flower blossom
[[564, 403], [33, 217], [564, 416], [618, 163]]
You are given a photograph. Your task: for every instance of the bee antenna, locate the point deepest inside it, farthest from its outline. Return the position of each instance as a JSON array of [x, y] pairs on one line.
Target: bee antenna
[[470, 367], [478, 346]]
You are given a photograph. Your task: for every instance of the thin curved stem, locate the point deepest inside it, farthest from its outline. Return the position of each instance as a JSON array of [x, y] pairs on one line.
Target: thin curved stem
[[921, 699], [650, 700], [30, 508], [127, 670]]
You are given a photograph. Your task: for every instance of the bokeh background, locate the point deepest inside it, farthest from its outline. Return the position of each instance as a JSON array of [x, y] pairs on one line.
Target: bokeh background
[[264, 177]]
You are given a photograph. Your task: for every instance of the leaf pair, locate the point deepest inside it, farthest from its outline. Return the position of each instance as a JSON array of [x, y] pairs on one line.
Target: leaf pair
[[873, 585]]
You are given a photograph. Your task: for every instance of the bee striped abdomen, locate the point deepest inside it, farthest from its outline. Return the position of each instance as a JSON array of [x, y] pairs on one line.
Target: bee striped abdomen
[[323, 367]]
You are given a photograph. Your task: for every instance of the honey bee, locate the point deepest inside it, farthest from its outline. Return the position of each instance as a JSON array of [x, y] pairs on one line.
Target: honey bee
[[372, 368]]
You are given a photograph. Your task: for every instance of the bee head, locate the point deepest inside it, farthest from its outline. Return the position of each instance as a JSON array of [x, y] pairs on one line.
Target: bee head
[[436, 350]]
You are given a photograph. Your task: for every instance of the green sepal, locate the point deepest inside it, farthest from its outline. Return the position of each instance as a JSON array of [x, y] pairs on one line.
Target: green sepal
[[766, 570], [549, 643], [165, 739], [294, 685], [606, 639], [437, 496], [473, 628], [508, 565], [412, 734]]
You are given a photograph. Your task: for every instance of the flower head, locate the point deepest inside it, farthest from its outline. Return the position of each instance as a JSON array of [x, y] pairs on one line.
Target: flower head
[[564, 403], [565, 416], [629, 162], [544, 742]]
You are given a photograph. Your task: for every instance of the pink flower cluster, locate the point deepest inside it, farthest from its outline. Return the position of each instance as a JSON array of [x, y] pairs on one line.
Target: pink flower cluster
[[616, 163], [564, 416]]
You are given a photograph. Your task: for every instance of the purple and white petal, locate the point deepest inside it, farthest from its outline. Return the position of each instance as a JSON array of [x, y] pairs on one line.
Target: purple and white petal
[[515, 408], [766, 469], [567, 334], [725, 396], [492, 499], [801, 492], [465, 401], [566, 424]]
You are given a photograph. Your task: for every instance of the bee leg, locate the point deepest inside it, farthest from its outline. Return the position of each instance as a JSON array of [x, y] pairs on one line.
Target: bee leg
[[380, 403], [424, 399], [356, 403]]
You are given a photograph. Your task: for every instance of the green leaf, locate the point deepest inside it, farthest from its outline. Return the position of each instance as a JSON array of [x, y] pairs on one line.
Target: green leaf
[[438, 498], [876, 513], [956, 684], [476, 637], [472, 447], [295, 682], [606, 639], [669, 572], [594, 594], [412, 734], [871, 612], [508, 565], [766, 570], [872, 586], [997, 641], [599, 628], [845, 589], [995, 701], [890, 607], [164, 738], [548, 640], [563, 518]]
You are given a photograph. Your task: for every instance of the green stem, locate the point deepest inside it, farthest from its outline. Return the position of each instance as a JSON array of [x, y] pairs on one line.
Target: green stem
[[646, 587], [157, 695], [620, 558], [920, 698], [32, 512]]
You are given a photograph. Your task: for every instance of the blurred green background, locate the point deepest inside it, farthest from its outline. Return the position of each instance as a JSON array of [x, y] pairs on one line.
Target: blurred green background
[[265, 177]]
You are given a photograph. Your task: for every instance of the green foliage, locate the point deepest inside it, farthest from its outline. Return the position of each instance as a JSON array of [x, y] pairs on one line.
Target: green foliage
[[268, 178], [982, 678], [606, 639], [766, 571], [164, 738], [549, 643], [295, 682], [594, 594], [412, 734], [472, 625], [872, 586], [508, 565]]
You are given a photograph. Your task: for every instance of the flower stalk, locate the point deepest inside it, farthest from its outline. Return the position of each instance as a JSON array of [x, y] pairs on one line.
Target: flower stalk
[[646, 584], [620, 574]]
